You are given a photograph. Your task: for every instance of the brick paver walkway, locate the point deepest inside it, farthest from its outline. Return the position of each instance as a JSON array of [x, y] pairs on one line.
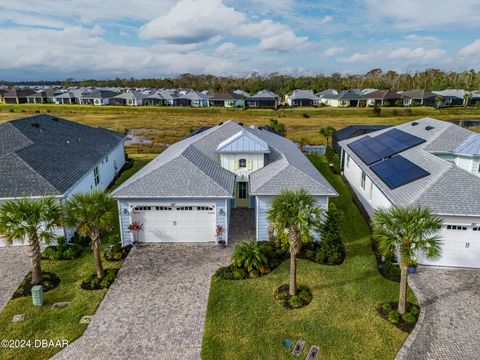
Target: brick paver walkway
[[156, 307], [14, 265], [451, 326]]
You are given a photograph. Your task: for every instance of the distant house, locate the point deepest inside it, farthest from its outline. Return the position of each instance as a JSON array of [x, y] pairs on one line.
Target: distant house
[[129, 98], [18, 96], [452, 96], [42, 97], [227, 99], [352, 131], [302, 98], [44, 155], [241, 92], [2, 94], [382, 98], [97, 97], [344, 98], [263, 99], [195, 99], [70, 97], [418, 98]]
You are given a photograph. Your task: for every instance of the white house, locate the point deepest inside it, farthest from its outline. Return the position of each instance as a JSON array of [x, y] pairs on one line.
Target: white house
[[190, 188], [44, 155], [426, 162]]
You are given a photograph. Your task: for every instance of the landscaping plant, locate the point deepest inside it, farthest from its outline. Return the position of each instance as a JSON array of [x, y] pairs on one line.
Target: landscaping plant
[[292, 217], [92, 214], [327, 132], [250, 256], [408, 231], [31, 219]]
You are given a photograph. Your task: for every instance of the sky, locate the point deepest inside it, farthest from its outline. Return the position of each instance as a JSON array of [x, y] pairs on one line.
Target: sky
[[82, 39]]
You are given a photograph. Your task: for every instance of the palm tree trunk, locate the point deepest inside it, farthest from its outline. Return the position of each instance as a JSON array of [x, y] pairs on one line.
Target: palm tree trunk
[[97, 257], [292, 289], [36, 265], [403, 288]]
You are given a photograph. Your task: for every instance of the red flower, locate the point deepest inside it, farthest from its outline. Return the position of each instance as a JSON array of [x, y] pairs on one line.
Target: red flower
[[135, 226]]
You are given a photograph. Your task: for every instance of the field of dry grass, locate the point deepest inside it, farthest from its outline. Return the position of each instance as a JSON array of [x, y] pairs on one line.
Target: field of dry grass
[[168, 125]]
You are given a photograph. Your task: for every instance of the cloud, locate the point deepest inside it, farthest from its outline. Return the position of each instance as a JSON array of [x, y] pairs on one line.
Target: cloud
[[326, 19], [283, 42], [368, 56], [472, 49], [419, 55], [333, 51], [226, 48]]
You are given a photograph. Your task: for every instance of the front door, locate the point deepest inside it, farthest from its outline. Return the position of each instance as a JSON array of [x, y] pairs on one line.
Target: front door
[[241, 195]]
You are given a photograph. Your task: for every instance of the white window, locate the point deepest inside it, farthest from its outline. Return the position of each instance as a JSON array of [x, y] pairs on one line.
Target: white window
[[364, 178], [456, 227], [242, 163], [96, 176], [476, 228]]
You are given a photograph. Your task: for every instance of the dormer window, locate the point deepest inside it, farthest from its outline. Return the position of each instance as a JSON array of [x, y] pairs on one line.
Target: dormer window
[[242, 163]]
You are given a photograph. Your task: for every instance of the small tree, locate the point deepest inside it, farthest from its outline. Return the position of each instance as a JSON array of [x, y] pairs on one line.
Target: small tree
[[399, 102], [278, 126], [408, 232], [331, 249], [377, 110], [438, 101], [92, 214], [327, 132], [32, 219], [466, 99]]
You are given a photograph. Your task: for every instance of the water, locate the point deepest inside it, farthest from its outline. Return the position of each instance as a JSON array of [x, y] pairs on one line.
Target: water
[[467, 123], [134, 139]]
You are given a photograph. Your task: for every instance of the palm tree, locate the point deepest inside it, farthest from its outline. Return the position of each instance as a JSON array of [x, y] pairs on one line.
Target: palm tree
[[32, 219], [466, 99], [408, 232], [292, 217], [438, 101], [327, 132], [91, 214]]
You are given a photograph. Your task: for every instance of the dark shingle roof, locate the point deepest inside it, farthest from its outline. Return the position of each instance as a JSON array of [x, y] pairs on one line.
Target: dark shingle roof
[[47, 155]]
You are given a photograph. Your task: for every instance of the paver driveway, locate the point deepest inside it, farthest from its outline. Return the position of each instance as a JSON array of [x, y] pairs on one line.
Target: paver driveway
[[14, 265], [156, 307], [451, 327]]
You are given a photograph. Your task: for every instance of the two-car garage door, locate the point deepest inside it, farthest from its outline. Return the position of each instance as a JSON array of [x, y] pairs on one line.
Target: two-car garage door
[[185, 223]]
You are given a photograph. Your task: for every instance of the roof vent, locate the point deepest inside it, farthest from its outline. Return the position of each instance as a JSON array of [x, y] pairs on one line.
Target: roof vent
[[428, 128], [414, 123], [54, 118], [221, 123], [37, 125], [241, 124]]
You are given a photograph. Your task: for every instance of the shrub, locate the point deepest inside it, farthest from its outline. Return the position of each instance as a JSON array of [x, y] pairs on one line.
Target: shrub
[[304, 293], [376, 110], [231, 272], [80, 240], [280, 296], [94, 283], [407, 111], [390, 270], [393, 316], [415, 310], [305, 115], [387, 307], [301, 299], [395, 112], [51, 253], [330, 249], [49, 281], [250, 256], [409, 318], [72, 251], [295, 302]]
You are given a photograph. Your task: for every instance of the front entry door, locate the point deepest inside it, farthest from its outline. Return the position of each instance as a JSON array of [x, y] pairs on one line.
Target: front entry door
[[241, 195]]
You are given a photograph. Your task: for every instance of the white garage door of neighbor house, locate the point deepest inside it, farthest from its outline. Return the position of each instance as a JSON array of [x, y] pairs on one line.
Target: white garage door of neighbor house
[[460, 248], [189, 223]]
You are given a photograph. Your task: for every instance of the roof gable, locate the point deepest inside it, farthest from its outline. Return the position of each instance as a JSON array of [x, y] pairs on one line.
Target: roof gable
[[243, 142]]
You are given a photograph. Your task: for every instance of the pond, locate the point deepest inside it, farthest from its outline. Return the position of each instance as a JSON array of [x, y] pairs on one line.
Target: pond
[[467, 123], [136, 137]]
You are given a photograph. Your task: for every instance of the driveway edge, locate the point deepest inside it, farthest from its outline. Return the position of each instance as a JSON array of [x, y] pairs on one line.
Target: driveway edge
[[413, 335]]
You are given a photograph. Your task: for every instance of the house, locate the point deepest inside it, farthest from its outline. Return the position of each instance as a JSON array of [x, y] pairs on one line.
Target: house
[[241, 92], [344, 98], [193, 186], [130, 98], [263, 99], [452, 96], [70, 97], [352, 131], [427, 162], [418, 98], [193, 99], [17, 96], [97, 97], [302, 98], [42, 97], [383, 98], [227, 99], [2, 95], [44, 155]]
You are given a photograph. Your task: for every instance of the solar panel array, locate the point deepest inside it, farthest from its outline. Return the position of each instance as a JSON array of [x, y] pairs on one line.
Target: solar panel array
[[373, 149], [398, 171]]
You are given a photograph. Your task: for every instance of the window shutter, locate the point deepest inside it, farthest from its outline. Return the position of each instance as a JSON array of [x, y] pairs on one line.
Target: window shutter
[[249, 164], [235, 164]]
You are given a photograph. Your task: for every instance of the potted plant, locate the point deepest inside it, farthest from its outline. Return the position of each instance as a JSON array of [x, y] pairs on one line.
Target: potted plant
[[135, 229], [220, 230], [412, 267]]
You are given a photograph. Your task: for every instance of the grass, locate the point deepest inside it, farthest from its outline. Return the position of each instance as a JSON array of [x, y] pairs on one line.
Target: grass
[[53, 324], [139, 161], [244, 322], [165, 125]]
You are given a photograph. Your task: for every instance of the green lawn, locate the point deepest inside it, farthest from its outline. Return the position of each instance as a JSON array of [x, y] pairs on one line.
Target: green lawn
[[244, 322], [47, 323], [139, 161]]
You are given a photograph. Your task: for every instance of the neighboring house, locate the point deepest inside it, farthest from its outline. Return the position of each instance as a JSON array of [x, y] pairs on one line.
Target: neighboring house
[[18, 96], [191, 187], [352, 131], [426, 162], [2, 94], [42, 97], [228, 99], [263, 99], [97, 97], [70, 97], [418, 98], [452, 96], [193, 99], [344, 98], [44, 155], [382, 98], [241, 92], [302, 98], [153, 99], [129, 98]]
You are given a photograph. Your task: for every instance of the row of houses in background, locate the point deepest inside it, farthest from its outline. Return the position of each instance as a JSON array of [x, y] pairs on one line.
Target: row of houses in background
[[237, 98]]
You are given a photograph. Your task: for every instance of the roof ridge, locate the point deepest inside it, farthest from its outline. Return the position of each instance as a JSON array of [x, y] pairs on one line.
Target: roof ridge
[[307, 175]]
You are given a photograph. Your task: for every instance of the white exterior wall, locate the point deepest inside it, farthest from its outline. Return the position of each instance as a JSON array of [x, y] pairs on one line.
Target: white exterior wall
[[468, 163], [227, 161], [262, 206], [335, 102], [222, 209]]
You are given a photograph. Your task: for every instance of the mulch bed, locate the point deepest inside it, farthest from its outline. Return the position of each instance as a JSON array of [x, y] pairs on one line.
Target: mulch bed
[[402, 325], [49, 281]]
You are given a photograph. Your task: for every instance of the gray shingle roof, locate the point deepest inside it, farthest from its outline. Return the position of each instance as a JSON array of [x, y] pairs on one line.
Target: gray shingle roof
[[448, 189], [50, 154], [191, 168], [303, 94]]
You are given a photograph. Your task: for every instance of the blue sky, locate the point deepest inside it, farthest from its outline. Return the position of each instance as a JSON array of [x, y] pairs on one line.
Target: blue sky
[[44, 39]]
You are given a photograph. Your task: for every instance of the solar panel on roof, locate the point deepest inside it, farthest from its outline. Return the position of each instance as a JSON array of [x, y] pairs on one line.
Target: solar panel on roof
[[398, 171]]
